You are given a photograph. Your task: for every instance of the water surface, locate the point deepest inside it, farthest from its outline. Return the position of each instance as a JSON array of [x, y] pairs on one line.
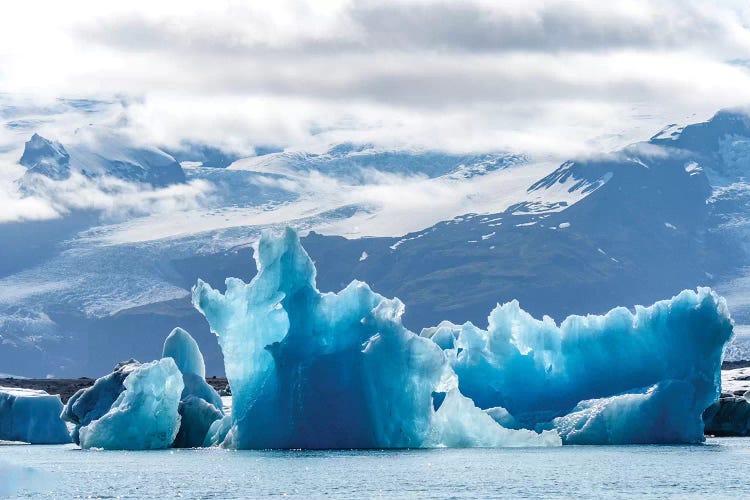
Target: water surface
[[718, 469]]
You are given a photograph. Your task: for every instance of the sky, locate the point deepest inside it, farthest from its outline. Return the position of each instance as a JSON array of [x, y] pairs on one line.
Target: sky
[[551, 80], [547, 78]]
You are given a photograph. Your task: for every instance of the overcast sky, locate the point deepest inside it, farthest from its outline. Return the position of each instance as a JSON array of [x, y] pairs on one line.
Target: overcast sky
[[542, 77]]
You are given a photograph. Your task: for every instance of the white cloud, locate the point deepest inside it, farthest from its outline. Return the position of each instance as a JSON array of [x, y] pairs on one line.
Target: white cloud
[[114, 198], [545, 77]]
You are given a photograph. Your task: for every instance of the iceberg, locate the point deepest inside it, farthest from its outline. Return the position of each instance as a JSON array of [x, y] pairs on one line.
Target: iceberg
[[31, 416], [624, 377], [91, 403], [334, 370], [339, 370], [200, 404], [145, 414]]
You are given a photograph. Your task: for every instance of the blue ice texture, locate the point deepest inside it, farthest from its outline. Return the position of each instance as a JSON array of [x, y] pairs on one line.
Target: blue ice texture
[[91, 403], [145, 414], [624, 377], [200, 405], [31, 416], [339, 370]]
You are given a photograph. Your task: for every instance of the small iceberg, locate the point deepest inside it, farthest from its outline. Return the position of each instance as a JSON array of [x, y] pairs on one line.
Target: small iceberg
[[31, 416], [162, 404], [145, 414]]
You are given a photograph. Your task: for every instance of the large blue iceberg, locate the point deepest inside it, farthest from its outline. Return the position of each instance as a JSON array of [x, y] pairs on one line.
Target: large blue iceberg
[[324, 370], [200, 404], [312, 370], [624, 377], [31, 416]]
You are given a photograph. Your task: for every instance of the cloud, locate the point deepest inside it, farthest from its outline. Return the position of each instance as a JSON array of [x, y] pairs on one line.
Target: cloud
[[549, 78], [114, 198]]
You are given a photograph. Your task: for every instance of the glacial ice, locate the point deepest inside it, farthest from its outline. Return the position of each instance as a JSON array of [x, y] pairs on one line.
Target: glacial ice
[[324, 370], [183, 349], [200, 404], [664, 413], [93, 402], [643, 377], [145, 414], [31, 416]]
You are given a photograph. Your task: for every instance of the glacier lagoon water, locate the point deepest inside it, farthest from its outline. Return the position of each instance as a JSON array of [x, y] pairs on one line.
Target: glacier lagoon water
[[719, 468]]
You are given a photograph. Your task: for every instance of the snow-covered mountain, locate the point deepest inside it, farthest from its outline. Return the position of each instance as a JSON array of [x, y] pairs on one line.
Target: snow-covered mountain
[[449, 234], [100, 153]]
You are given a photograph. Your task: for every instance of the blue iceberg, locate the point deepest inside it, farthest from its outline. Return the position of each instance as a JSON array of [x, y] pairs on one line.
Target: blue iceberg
[[145, 414], [31, 416], [624, 377], [324, 370], [94, 402], [200, 404]]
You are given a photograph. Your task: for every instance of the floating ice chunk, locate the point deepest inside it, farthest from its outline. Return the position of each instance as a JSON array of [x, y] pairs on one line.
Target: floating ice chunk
[[144, 416], [31, 416], [363, 256], [200, 404], [538, 371], [312, 370], [93, 402], [563, 225]]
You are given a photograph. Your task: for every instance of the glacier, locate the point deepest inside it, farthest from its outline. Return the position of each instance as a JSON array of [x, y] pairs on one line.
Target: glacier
[[145, 414], [200, 405], [334, 370], [31, 416], [339, 370]]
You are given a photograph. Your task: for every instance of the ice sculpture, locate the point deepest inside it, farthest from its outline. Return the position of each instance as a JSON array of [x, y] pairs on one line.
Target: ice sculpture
[[312, 370], [200, 404], [31, 416], [643, 377], [145, 414]]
